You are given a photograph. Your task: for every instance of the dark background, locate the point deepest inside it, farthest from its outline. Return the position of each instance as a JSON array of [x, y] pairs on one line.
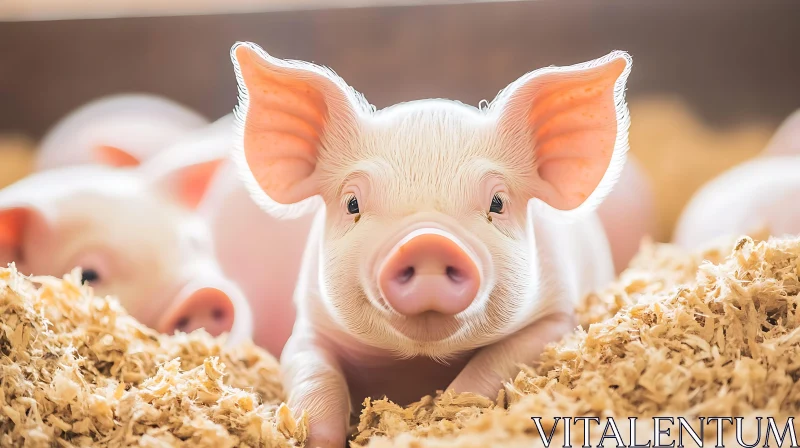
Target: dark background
[[732, 61]]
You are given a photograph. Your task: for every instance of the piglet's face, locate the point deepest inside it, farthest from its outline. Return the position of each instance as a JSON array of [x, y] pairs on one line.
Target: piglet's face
[[130, 239], [428, 247]]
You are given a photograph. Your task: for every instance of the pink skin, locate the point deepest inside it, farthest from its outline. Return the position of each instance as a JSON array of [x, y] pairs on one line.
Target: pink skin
[[203, 307], [265, 263], [118, 130], [756, 195], [628, 214], [504, 197], [786, 141], [161, 268], [429, 270]]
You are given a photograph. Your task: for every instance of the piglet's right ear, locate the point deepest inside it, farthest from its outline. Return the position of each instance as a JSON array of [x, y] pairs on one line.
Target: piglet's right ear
[[12, 222], [16, 222], [289, 113]]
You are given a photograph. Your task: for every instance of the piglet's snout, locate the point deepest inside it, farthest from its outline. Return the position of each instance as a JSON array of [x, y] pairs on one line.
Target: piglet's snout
[[207, 308], [429, 270]]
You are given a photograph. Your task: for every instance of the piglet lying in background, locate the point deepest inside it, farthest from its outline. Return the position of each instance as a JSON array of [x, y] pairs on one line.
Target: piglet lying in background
[[259, 252], [118, 130], [757, 194], [452, 243], [135, 236], [256, 251]]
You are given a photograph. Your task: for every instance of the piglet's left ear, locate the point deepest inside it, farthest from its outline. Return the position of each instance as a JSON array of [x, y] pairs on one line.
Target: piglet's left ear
[[570, 124], [115, 156], [183, 177], [186, 170], [189, 184]]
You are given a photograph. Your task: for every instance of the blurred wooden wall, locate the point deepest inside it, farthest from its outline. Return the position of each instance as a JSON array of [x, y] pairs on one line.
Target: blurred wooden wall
[[710, 79], [731, 60]]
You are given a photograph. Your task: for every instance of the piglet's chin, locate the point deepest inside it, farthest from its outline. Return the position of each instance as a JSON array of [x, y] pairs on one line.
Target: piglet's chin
[[428, 327]]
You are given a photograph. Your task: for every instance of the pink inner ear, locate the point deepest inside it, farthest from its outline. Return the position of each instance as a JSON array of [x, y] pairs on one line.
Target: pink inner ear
[[12, 222], [285, 119], [193, 182], [114, 156], [574, 122]]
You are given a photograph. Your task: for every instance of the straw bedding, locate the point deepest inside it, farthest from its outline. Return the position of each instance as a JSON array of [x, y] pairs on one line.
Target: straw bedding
[[679, 334], [76, 370]]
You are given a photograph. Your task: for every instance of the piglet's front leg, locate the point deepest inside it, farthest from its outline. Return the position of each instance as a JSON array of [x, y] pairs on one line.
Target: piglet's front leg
[[493, 365], [316, 384]]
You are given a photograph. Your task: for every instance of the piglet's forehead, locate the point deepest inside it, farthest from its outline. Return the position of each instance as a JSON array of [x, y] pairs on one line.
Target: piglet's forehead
[[421, 163], [421, 140]]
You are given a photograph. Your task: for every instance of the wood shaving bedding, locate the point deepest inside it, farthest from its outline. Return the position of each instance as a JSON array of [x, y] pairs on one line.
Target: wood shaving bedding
[[78, 371], [713, 332]]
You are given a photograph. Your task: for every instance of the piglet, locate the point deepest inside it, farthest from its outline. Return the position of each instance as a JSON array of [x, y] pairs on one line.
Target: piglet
[[449, 243], [258, 252], [119, 130], [134, 233], [759, 194]]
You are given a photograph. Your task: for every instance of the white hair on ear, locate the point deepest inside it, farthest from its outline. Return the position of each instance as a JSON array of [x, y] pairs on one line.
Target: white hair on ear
[[357, 104], [499, 106]]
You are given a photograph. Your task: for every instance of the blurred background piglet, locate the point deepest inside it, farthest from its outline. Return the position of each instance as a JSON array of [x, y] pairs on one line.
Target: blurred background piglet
[[258, 253], [131, 227], [262, 254], [758, 196]]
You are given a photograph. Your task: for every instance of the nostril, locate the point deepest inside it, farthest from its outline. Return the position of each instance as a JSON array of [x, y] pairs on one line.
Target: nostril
[[218, 314], [182, 323], [406, 275], [455, 274]]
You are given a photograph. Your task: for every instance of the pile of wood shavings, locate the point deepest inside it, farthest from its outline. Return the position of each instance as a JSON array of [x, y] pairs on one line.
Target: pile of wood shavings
[[691, 338], [656, 268], [76, 370], [680, 334]]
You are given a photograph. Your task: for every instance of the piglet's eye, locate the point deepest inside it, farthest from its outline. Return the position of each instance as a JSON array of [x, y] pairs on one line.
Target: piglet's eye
[[352, 206], [89, 276], [497, 205]]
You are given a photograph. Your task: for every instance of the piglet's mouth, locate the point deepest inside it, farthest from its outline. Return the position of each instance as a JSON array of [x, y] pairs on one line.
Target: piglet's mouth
[[429, 326]]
